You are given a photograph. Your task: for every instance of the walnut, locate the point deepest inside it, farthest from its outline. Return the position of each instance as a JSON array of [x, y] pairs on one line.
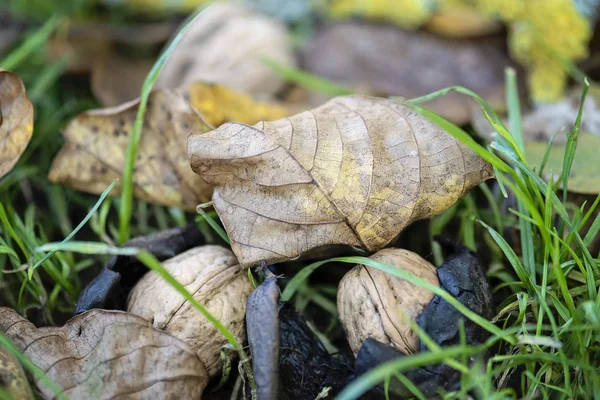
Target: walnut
[[374, 304], [214, 277]]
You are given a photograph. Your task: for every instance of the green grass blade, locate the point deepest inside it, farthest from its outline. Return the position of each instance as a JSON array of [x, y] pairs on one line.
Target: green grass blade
[[306, 79], [136, 133], [213, 224]]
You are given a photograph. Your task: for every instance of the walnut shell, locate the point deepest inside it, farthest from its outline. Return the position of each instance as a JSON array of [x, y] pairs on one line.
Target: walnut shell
[[372, 304], [214, 277]]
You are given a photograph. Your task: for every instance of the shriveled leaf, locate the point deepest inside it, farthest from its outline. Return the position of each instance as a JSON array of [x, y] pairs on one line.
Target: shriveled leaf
[[96, 143], [219, 104], [226, 45], [12, 377], [108, 354], [354, 171], [585, 171], [16, 120], [388, 61]]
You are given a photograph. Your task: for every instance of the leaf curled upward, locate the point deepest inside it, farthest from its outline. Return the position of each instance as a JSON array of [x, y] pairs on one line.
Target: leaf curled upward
[[354, 171], [16, 120]]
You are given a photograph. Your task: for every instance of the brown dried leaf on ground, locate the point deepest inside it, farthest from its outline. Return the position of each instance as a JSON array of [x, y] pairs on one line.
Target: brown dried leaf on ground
[[16, 120], [12, 377], [354, 171], [390, 61], [374, 304], [96, 146], [107, 354], [226, 45], [214, 277], [97, 140]]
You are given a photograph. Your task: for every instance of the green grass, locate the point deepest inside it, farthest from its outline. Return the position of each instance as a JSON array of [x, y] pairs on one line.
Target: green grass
[[547, 327]]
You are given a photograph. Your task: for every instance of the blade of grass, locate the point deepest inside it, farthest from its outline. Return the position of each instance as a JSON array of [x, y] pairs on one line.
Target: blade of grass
[[78, 228], [306, 79], [136, 133]]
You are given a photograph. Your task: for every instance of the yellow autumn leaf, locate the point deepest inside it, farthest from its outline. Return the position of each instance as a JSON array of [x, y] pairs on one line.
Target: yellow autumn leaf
[[16, 120], [96, 143], [355, 171]]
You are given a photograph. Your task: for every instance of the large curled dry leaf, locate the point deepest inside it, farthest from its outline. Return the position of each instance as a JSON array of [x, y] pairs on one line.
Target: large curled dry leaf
[[97, 140], [384, 60], [214, 277], [16, 120], [108, 354], [226, 45], [354, 171]]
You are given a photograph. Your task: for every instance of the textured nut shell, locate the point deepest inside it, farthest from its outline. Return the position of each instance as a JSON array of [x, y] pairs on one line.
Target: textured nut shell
[[214, 277], [372, 304], [103, 354]]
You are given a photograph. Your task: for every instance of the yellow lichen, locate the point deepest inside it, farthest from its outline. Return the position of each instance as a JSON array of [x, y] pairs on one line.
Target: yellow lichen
[[544, 34], [407, 14]]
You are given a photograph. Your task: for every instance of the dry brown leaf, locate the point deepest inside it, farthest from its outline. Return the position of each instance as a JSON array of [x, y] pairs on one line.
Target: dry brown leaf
[[226, 45], [214, 277], [104, 354], [96, 143], [373, 304], [390, 61], [354, 171], [16, 120], [12, 377], [96, 147]]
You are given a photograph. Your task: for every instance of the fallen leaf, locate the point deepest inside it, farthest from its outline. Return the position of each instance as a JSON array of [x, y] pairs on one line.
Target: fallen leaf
[[108, 354], [585, 171], [16, 120], [389, 61], [96, 143], [355, 171], [226, 45], [12, 377], [213, 276], [219, 104]]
